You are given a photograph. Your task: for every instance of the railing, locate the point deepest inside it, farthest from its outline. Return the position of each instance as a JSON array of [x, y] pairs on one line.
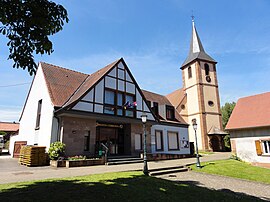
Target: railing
[[106, 151]]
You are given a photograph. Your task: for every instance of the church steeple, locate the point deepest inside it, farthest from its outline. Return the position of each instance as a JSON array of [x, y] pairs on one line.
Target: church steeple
[[196, 50]]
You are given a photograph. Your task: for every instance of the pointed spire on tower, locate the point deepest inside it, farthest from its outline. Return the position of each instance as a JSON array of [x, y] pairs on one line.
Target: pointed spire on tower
[[196, 50]]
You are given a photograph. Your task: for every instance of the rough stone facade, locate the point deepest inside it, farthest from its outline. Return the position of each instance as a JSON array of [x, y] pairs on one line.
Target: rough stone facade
[[74, 130]]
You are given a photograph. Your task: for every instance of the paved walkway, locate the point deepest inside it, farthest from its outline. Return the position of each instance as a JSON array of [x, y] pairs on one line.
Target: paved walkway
[[10, 171], [226, 184]]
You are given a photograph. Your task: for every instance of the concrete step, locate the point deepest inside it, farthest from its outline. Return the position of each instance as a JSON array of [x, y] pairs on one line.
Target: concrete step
[[167, 170], [123, 160]]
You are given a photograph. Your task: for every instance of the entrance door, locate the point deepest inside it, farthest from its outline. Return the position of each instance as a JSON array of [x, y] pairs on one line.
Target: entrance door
[[109, 137]]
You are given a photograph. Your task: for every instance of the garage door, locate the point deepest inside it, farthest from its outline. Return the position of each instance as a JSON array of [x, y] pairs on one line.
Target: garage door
[[17, 147]]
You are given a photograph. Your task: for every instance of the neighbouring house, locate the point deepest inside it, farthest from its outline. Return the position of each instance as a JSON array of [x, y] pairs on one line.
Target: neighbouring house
[[10, 128], [249, 127], [85, 110]]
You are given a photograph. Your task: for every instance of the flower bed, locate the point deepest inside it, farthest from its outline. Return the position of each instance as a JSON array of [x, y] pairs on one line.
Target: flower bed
[[77, 162]]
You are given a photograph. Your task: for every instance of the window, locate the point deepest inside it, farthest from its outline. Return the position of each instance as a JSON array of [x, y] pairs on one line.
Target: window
[[155, 108], [109, 97], [159, 140], [262, 147], [38, 114], [206, 68], [138, 141], [173, 142], [170, 113], [129, 113], [266, 146], [120, 99], [189, 72], [87, 141], [109, 110]]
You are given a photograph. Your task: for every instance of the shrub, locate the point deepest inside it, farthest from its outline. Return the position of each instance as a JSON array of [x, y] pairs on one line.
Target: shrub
[[227, 143], [56, 150], [77, 158]]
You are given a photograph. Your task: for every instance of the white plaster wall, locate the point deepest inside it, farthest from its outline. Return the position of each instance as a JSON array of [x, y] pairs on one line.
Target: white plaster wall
[[246, 149], [27, 131], [182, 135]]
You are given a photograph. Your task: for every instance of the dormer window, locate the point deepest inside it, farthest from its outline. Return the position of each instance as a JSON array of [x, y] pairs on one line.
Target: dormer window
[[189, 72], [170, 113], [155, 108], [206, 68]]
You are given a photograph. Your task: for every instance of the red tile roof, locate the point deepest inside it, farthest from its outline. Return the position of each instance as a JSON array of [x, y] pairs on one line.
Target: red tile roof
[[251, 112], [177, 98], [61, 82], [89, 82], [9, 127], [66, 86], [162, 100]]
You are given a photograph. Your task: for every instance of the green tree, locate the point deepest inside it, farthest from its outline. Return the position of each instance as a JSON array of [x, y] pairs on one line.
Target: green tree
[[226, 112], [28, 24]]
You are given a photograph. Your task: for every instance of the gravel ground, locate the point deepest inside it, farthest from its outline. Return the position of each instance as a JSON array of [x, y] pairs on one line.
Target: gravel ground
[[221, 183]]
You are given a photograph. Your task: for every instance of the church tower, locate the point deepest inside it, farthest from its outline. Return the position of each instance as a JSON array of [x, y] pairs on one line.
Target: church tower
[[200, 86]]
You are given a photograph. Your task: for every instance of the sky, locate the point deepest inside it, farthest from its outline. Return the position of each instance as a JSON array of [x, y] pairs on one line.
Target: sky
[[153, 38]]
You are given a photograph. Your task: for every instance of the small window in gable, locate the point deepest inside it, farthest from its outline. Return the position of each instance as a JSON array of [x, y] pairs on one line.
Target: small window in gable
[[170, 113], [121, 74], [206, 68], [189, 72], [38, 114]]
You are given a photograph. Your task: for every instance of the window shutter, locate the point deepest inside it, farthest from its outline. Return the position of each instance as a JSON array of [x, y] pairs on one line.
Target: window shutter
[[258, 147]]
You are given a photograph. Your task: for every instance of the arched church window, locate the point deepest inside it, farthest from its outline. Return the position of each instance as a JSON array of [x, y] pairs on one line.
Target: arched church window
[[206, 67], [189, 72]]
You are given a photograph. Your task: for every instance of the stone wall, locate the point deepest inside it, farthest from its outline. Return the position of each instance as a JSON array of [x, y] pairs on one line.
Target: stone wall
[[74, 130]]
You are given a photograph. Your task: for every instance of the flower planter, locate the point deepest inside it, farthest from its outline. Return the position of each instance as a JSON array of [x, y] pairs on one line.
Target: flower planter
[[87, 162], [58, 163]]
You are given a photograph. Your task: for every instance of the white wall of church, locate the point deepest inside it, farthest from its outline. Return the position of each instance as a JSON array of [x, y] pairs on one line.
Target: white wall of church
[[27, 131], [210, 94]]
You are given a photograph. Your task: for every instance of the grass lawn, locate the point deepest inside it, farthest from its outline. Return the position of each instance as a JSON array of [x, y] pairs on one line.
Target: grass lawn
[[124, 186], [205, 153], [237, 169]]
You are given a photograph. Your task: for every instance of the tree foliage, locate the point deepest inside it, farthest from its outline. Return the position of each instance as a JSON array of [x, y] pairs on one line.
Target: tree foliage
[[28, 24], [226, 111]]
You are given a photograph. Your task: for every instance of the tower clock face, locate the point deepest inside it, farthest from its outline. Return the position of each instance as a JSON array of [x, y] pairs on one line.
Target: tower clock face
[[208, 79]]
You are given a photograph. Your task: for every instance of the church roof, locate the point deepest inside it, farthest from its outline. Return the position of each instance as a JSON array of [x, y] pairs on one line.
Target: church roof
[[251, 112], [196, 50]]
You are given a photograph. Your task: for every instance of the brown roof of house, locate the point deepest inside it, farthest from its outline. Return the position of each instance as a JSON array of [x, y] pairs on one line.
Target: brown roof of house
[[154, 97], [89, 82], [162, 100], [61, 82], [251, 112], [9, 127], [176, 97], [66, 86]]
